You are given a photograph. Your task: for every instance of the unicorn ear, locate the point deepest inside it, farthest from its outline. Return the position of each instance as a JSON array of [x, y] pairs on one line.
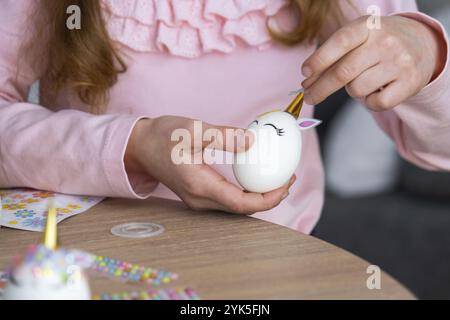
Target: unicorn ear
[[306, 124]]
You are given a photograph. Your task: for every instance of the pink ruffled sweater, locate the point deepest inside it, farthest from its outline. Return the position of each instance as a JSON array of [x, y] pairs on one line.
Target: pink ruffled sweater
[[207, 59]]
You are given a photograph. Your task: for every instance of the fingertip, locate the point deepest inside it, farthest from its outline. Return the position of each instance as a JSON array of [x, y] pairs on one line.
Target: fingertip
[[307, 71], [274, 197], [306, 83], [292, 181]]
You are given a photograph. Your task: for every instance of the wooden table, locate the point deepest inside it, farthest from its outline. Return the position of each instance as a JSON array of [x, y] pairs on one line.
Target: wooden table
[[222, 256]]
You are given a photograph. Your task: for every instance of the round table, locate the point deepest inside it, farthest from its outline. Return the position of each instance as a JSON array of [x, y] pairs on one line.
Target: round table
[[221, 256]]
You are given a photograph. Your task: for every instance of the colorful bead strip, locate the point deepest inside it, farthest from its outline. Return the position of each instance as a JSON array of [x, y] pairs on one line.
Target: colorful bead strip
[[132, 272], [3, 280], [167, 294]]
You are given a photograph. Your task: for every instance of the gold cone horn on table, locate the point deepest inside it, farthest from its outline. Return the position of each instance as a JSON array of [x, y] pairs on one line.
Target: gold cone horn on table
[[296, 106], [51, 232]]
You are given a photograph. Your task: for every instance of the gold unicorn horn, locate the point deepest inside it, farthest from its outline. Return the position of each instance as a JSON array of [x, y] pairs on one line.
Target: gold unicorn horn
[[296, 106], [51, 232]]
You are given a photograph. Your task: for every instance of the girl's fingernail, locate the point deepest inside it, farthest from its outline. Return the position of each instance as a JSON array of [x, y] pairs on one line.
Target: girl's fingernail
[[293, 179], [285, 195], [307, 71], [305, 85]]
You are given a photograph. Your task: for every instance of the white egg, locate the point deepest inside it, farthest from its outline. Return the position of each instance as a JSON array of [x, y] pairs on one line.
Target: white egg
[[275, 155], [78, 290], [272, 160]]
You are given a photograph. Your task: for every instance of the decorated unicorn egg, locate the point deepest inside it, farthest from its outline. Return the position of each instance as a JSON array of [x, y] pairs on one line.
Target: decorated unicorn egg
[[44, 274], [276, 152], [48, 273]]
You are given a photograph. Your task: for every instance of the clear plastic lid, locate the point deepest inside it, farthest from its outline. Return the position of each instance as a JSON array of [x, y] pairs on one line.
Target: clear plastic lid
[[137, 230]]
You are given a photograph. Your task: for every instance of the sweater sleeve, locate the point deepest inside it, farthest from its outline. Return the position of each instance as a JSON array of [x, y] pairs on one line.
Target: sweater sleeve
[[420, 127], [68, 151]]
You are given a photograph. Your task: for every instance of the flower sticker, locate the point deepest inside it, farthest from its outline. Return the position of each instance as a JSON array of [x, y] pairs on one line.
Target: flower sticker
[[63, 211], [36, 222], [73, 206], [43, 195], [30, 200], [25, 214], [14, 206]]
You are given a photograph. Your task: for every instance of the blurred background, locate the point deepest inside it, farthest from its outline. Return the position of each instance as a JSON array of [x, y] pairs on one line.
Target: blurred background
[[378, 206]]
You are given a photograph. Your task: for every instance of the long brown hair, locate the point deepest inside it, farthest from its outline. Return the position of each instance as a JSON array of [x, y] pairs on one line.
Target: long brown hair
[[86, 61]]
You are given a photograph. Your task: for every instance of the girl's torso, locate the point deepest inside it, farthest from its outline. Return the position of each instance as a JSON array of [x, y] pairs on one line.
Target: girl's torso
[[227, 72]]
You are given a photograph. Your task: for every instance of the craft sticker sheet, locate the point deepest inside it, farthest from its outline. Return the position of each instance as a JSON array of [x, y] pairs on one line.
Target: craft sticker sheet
[[26, 209]]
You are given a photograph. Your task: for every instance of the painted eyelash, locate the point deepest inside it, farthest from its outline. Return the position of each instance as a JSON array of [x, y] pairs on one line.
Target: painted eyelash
[[280, 132]]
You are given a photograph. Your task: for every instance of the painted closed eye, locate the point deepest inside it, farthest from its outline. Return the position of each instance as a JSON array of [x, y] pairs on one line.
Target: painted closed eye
[[254, 122], [280, 132]]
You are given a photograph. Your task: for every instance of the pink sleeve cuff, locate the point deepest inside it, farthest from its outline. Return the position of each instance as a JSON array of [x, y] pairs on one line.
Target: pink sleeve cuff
[[121, 183], [434, 91]]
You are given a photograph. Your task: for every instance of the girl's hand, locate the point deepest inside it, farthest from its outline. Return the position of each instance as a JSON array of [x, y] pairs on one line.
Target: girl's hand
[[198, 185], [384, 67]]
